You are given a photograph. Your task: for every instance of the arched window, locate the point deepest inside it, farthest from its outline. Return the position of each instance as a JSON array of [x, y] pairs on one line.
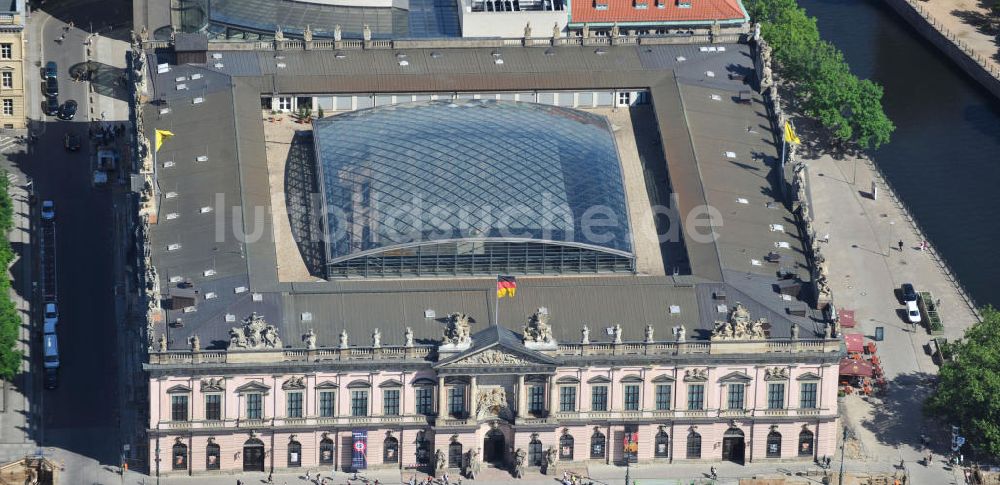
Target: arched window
[[535, 451], [661, 445], [774, 444], [390, 450], [597, 444], [180, 454], [805, 443], [294, 454], [455, 455], [693, 445], [566, 447], [212, 455], [326, 451]]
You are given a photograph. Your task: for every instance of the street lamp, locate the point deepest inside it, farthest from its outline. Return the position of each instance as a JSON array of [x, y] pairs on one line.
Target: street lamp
[[843, 446]]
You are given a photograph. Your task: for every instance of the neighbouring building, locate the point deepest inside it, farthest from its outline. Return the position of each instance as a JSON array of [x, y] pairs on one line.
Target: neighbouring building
[[655, 17], [12, 104], [323, 293]]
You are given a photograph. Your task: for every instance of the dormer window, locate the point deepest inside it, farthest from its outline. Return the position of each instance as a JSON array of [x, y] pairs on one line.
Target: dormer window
[[640, 4], [684, 3], [661, 3], [601, 4]]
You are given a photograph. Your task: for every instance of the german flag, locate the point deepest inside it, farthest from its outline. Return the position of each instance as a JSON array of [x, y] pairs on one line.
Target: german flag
[[506, 286]]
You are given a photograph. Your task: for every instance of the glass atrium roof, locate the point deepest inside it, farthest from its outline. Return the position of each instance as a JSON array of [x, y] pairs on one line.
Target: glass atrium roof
[[415, 174]]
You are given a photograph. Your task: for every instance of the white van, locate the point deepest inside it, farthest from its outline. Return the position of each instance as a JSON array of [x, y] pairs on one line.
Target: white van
[[51, 351], [51, 318]]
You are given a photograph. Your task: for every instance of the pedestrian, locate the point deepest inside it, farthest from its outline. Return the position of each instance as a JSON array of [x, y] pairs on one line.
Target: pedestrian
[[900, 245], [270, 477], [902, 465], [714, 473], [930, 458], [239, 482], [308, 475]]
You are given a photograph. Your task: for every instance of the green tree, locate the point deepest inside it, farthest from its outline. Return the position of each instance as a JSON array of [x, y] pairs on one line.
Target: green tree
[[968, 391], [10, 318]]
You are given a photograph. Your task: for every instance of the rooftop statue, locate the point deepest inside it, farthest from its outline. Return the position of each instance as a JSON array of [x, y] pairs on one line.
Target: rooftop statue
[[255, 333], [458, 331], [538, 329], [739, 326]]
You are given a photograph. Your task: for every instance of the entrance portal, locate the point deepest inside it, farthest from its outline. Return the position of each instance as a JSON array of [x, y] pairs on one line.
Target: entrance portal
[[494, 447], [253, 455], [733, 446]]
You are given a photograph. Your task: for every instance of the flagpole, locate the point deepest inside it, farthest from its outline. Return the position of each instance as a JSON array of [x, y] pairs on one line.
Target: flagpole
[[496, 306]]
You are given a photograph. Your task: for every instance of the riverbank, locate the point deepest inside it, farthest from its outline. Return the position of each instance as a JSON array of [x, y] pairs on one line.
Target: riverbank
[[941, 22]]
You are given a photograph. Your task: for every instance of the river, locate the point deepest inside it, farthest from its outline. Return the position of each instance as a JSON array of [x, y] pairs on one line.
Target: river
[[944, 158]]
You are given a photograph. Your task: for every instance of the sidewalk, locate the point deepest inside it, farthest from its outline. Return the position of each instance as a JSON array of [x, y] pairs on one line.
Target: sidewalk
[[967, 21], [109, 53], [866, 268]]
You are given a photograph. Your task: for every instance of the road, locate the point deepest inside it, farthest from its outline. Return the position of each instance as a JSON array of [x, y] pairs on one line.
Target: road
[[79, 420]]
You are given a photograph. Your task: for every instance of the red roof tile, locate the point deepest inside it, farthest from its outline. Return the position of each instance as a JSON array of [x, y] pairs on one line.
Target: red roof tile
[[621, 11]]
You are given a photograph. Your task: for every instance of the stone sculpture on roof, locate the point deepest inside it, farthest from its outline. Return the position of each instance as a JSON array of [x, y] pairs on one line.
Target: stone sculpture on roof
[[376, 339], [195, 343], [279, 34], [457, 332], [527, 30], [307, 35], [649, 334], [408, 337], [538, 330], [255, 333], [616, 332], [344, 343], [585, 337], [310, 339], [739, 326]]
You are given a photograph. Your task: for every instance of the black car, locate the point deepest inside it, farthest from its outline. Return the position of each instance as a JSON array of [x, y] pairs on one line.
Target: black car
[[52, 106], [51, 87], [51, 70], [68, 110], [51, 378], [909, 294]]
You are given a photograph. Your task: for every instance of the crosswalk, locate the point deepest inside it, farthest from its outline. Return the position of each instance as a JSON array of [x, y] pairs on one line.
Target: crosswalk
[[8, 142]]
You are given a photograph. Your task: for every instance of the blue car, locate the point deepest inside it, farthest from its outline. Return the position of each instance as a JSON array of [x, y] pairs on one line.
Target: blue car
[[51, 70]]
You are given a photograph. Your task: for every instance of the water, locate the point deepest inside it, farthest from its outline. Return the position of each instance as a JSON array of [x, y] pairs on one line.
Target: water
[[944, 158]]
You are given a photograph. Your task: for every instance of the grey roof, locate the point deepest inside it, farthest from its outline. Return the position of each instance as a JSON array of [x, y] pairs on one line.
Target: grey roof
[[184, 42], [696, 131], [475, 170]]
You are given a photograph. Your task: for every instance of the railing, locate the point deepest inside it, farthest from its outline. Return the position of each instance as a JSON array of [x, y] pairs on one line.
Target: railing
[[177, 357]]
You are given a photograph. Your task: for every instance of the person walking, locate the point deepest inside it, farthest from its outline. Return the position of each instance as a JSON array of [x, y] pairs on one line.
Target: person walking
[[900, 245], [270, 477], [308, 475], [714, 473]]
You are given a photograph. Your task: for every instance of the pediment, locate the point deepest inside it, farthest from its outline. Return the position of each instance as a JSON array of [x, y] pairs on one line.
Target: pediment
[[497, 356], [327, 385], [253, 386], [808, 376], [736, 377], [179, 389]]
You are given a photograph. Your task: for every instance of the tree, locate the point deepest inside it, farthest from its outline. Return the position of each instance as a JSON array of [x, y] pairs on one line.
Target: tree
[[10, 318], [968, 391]]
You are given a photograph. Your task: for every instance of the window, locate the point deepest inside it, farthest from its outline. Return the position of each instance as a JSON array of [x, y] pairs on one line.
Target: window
[[631, 443], [807, 400], [597, 443], [294, 454], [455, 455], [632, 397], [359, 403], [390, 449], [736, 396], [684, 3], [326, 451], [8, 79], [456, 401], [326, 400], [693, 446], [567, 399], [641, 4], [212, 454], [213, 407], [776, 396], [180, 454], [599, 398], [774, 444], [179, 408], [663, 396], [6, 51], [600, 4], [536, 400], [294, 404], [425, 400], [535, 456], [696, 396], [624, 98], [805, 443], [255, 406], [566, 447], [390, 402], [8, 107], [423, 448], [661, 445], [284, 104]]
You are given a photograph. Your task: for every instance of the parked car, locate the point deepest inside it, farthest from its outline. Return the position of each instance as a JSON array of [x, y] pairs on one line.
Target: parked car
[[51, 360], [71, 141], [51, 87], [51, 378], [68, 110], [912, 312], [51, 318], [909, 294], [51, 70], [52, 106], [48, 210]]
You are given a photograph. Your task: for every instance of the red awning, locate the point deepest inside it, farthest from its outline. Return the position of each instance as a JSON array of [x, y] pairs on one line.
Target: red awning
[[855, 342], [846, 318], [851, 367]]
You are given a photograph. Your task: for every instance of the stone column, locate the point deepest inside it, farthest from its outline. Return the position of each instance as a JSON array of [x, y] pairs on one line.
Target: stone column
[[520, 396], [442, 403], [473, 393], [553, 396]]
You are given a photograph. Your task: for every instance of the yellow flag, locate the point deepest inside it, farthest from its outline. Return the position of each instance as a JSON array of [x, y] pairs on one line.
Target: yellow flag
[[161, 136], [790, 135]]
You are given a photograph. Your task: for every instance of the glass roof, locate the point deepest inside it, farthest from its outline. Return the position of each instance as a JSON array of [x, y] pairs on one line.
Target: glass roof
[[410, 174]]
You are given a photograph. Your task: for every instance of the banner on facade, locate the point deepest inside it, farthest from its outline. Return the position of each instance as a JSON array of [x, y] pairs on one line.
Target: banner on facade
[[359, 451]]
